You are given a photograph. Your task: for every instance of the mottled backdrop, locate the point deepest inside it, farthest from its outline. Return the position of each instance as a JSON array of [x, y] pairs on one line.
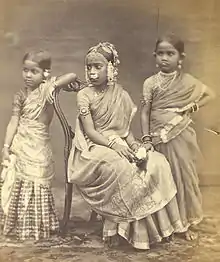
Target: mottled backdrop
[[67, 28]]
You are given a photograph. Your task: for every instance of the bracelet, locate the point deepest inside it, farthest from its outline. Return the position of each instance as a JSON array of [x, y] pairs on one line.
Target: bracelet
[[111, 143], [194, 108], [148, 142], [6, 145], [146, 138]]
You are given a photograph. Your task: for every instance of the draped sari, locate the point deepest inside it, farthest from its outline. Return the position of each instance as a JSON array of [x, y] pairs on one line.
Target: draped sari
[[112, 186], [174, 137], [29, 205]]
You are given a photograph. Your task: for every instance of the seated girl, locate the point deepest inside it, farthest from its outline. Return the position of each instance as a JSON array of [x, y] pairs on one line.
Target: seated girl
[[136, 203]]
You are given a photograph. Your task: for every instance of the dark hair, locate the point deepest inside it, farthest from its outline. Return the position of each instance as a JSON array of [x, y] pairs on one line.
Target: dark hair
[[42, 58], [174, 40]]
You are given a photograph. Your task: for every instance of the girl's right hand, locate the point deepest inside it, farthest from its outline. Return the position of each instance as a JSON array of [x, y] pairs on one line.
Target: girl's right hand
[[148, 146], [124, 151]]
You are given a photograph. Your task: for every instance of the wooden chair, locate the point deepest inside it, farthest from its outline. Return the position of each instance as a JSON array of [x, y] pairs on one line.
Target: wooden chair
[[68, 136]]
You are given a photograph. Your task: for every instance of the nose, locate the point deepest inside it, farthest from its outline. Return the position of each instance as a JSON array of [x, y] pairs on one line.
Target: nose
[[28, 74], [164, 57], [93, 71]]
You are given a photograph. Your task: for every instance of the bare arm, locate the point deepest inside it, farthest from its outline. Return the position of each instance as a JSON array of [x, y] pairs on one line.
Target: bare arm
[[65, 79], [146, 115], [60, 81], [10, 133], [92, 134], [11, 130], [132, 142], [207, 97], [145, 119]]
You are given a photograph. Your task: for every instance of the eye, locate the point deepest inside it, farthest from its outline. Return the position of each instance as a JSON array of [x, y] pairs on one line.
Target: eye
[[171, 53], [89, 67], [34, 71], [159, 53], [99, 66], [25, 70]]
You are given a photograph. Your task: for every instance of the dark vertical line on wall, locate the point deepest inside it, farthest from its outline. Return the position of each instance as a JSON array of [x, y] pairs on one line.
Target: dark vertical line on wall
[[158, 17]]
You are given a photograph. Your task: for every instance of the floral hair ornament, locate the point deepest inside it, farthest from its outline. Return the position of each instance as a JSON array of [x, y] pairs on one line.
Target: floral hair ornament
[[109, 52]]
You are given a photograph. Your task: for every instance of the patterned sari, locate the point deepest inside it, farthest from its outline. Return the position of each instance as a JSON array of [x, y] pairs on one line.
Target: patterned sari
[[174, 137], [112, 186], [30, 211]]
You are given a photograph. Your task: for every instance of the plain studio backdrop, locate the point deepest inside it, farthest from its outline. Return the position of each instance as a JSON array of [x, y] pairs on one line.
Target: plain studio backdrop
[[67, 28]]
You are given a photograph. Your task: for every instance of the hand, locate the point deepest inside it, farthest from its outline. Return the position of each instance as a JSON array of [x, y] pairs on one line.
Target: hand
[[135, 146], [5, 155], [148, 146], [124, 151]]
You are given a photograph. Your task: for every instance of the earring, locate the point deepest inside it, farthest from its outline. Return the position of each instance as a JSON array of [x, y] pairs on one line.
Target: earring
[[179, 64], [110, 73]]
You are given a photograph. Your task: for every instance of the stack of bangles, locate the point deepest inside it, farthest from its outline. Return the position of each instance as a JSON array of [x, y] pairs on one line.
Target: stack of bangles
[[146, 139], [195, 108], [111, 143]]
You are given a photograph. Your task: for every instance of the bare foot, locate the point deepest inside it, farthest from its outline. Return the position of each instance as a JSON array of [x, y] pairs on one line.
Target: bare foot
[[169, 239], [188, 235], [191, 236]]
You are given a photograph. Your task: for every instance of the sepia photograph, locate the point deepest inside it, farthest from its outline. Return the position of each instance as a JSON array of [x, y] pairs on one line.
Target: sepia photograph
[[110, 131]]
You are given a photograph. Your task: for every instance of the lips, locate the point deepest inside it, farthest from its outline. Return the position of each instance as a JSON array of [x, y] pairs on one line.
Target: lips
[[94, 77], [164, 64], [28, 82]]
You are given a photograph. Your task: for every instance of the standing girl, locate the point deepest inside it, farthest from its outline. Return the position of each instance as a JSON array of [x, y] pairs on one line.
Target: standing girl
[[169, 99], [27, 200]]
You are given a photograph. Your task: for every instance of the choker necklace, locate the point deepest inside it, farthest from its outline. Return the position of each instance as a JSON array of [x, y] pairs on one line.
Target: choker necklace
[[98, 92], [165, 80]]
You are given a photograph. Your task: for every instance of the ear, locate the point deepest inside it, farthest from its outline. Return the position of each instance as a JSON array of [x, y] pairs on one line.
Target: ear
[[182, 56], [46, 73], [154, 53]]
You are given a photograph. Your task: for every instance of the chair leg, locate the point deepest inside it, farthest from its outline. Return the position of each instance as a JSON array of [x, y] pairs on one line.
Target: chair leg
[[67, 206]]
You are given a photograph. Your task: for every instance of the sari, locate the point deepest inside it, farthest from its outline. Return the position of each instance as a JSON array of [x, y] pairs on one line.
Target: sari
[[174, 137], [27, 199], [126, 196]]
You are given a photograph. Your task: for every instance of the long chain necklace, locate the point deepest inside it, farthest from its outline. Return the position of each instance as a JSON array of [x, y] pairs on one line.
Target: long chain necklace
[[165, 80]]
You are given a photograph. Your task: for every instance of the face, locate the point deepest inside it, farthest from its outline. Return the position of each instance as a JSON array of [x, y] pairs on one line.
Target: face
[[167, 57], [97, 69], [32, 74]]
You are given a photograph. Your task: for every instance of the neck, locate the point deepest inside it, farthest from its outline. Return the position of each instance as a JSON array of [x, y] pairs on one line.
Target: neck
[[168, 74]]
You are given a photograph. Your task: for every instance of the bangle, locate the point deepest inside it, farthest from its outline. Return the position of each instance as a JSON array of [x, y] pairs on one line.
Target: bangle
[[6, 145], [194, 108], [111, 143], [146, 138], [148, 142]]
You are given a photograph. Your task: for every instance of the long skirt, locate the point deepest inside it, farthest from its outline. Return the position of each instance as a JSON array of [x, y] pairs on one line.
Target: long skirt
[[182, 152], [31, 212], [138, 205]]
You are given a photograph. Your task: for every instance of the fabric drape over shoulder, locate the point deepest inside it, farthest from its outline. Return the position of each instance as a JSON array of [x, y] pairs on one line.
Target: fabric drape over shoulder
[[109, 183], [166, 118]]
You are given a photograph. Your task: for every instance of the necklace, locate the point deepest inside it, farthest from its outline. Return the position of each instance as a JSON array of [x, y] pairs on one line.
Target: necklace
[[98, 92], [165, 80]]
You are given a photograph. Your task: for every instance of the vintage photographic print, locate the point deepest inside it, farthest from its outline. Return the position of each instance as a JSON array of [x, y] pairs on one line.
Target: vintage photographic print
[[110, 130]]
